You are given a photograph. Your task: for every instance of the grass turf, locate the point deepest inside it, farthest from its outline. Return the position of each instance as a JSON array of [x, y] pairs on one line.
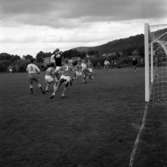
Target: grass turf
[[152, 149], [94, 126]]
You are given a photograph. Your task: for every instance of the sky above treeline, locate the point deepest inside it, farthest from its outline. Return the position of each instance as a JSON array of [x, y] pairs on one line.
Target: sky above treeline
[[29, 26]]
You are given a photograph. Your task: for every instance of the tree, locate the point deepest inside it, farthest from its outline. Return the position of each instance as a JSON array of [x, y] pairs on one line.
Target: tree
[[28, 57], [6, 60], [41, 55], [21, 65], [73, 53]]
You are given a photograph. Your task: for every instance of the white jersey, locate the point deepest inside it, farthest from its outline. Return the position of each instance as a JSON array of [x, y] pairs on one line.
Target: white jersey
[[32, 69], [50, 71], [83, 66], [52, 59], [66, 70], [106, 62], [66, 78], [66, 67]]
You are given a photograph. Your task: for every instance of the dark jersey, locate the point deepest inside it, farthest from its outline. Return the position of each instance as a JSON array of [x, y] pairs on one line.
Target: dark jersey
[[58, 60], [134, 61]]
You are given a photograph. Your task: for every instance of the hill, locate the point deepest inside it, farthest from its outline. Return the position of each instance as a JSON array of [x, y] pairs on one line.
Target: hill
[[128, 44], [121, 45]]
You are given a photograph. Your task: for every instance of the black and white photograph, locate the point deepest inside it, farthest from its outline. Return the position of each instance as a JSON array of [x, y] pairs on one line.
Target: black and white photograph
[[83, 83]]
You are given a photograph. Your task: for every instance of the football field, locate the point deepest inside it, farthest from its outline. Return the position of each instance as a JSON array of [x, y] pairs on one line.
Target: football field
[[95, 125]]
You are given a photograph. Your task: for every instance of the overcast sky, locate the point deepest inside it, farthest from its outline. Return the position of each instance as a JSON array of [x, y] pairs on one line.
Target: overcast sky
[[28, 26]]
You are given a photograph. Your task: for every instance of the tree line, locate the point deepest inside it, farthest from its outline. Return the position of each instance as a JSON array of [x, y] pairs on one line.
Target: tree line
[[119, 59]]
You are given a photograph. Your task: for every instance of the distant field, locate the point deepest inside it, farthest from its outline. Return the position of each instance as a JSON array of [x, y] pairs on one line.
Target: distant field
[[94, 126]]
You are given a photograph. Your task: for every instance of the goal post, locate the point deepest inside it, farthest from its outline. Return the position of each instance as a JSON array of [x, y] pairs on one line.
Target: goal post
[[146, 51], [155, 49]]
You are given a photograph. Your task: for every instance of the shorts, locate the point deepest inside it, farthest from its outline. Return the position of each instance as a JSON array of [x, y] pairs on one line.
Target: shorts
[[106, 64], [134, 63], [33, 77], [57, 68], [66, 80], [90, 70], [49, 78]]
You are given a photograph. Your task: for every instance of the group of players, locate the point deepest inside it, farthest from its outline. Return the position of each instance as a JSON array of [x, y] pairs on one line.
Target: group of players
[[58, 73]]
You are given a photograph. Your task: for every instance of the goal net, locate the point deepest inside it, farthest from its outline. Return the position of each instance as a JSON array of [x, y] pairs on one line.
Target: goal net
[[156, 63]]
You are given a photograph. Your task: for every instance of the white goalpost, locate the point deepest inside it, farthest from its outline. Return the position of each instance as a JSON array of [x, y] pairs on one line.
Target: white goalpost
[[147, 70], [155, 49], [155, 42]]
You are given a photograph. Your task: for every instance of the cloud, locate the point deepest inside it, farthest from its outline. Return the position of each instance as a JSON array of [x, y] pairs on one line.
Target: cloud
[[31, 39], [28, 26], [67, 13], [25, 6]]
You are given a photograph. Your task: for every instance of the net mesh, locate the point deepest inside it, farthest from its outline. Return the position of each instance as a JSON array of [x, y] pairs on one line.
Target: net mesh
[[158, 44]]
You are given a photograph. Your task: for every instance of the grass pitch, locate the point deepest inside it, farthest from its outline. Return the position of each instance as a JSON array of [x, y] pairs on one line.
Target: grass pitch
[[94, 126], [152, 150]]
